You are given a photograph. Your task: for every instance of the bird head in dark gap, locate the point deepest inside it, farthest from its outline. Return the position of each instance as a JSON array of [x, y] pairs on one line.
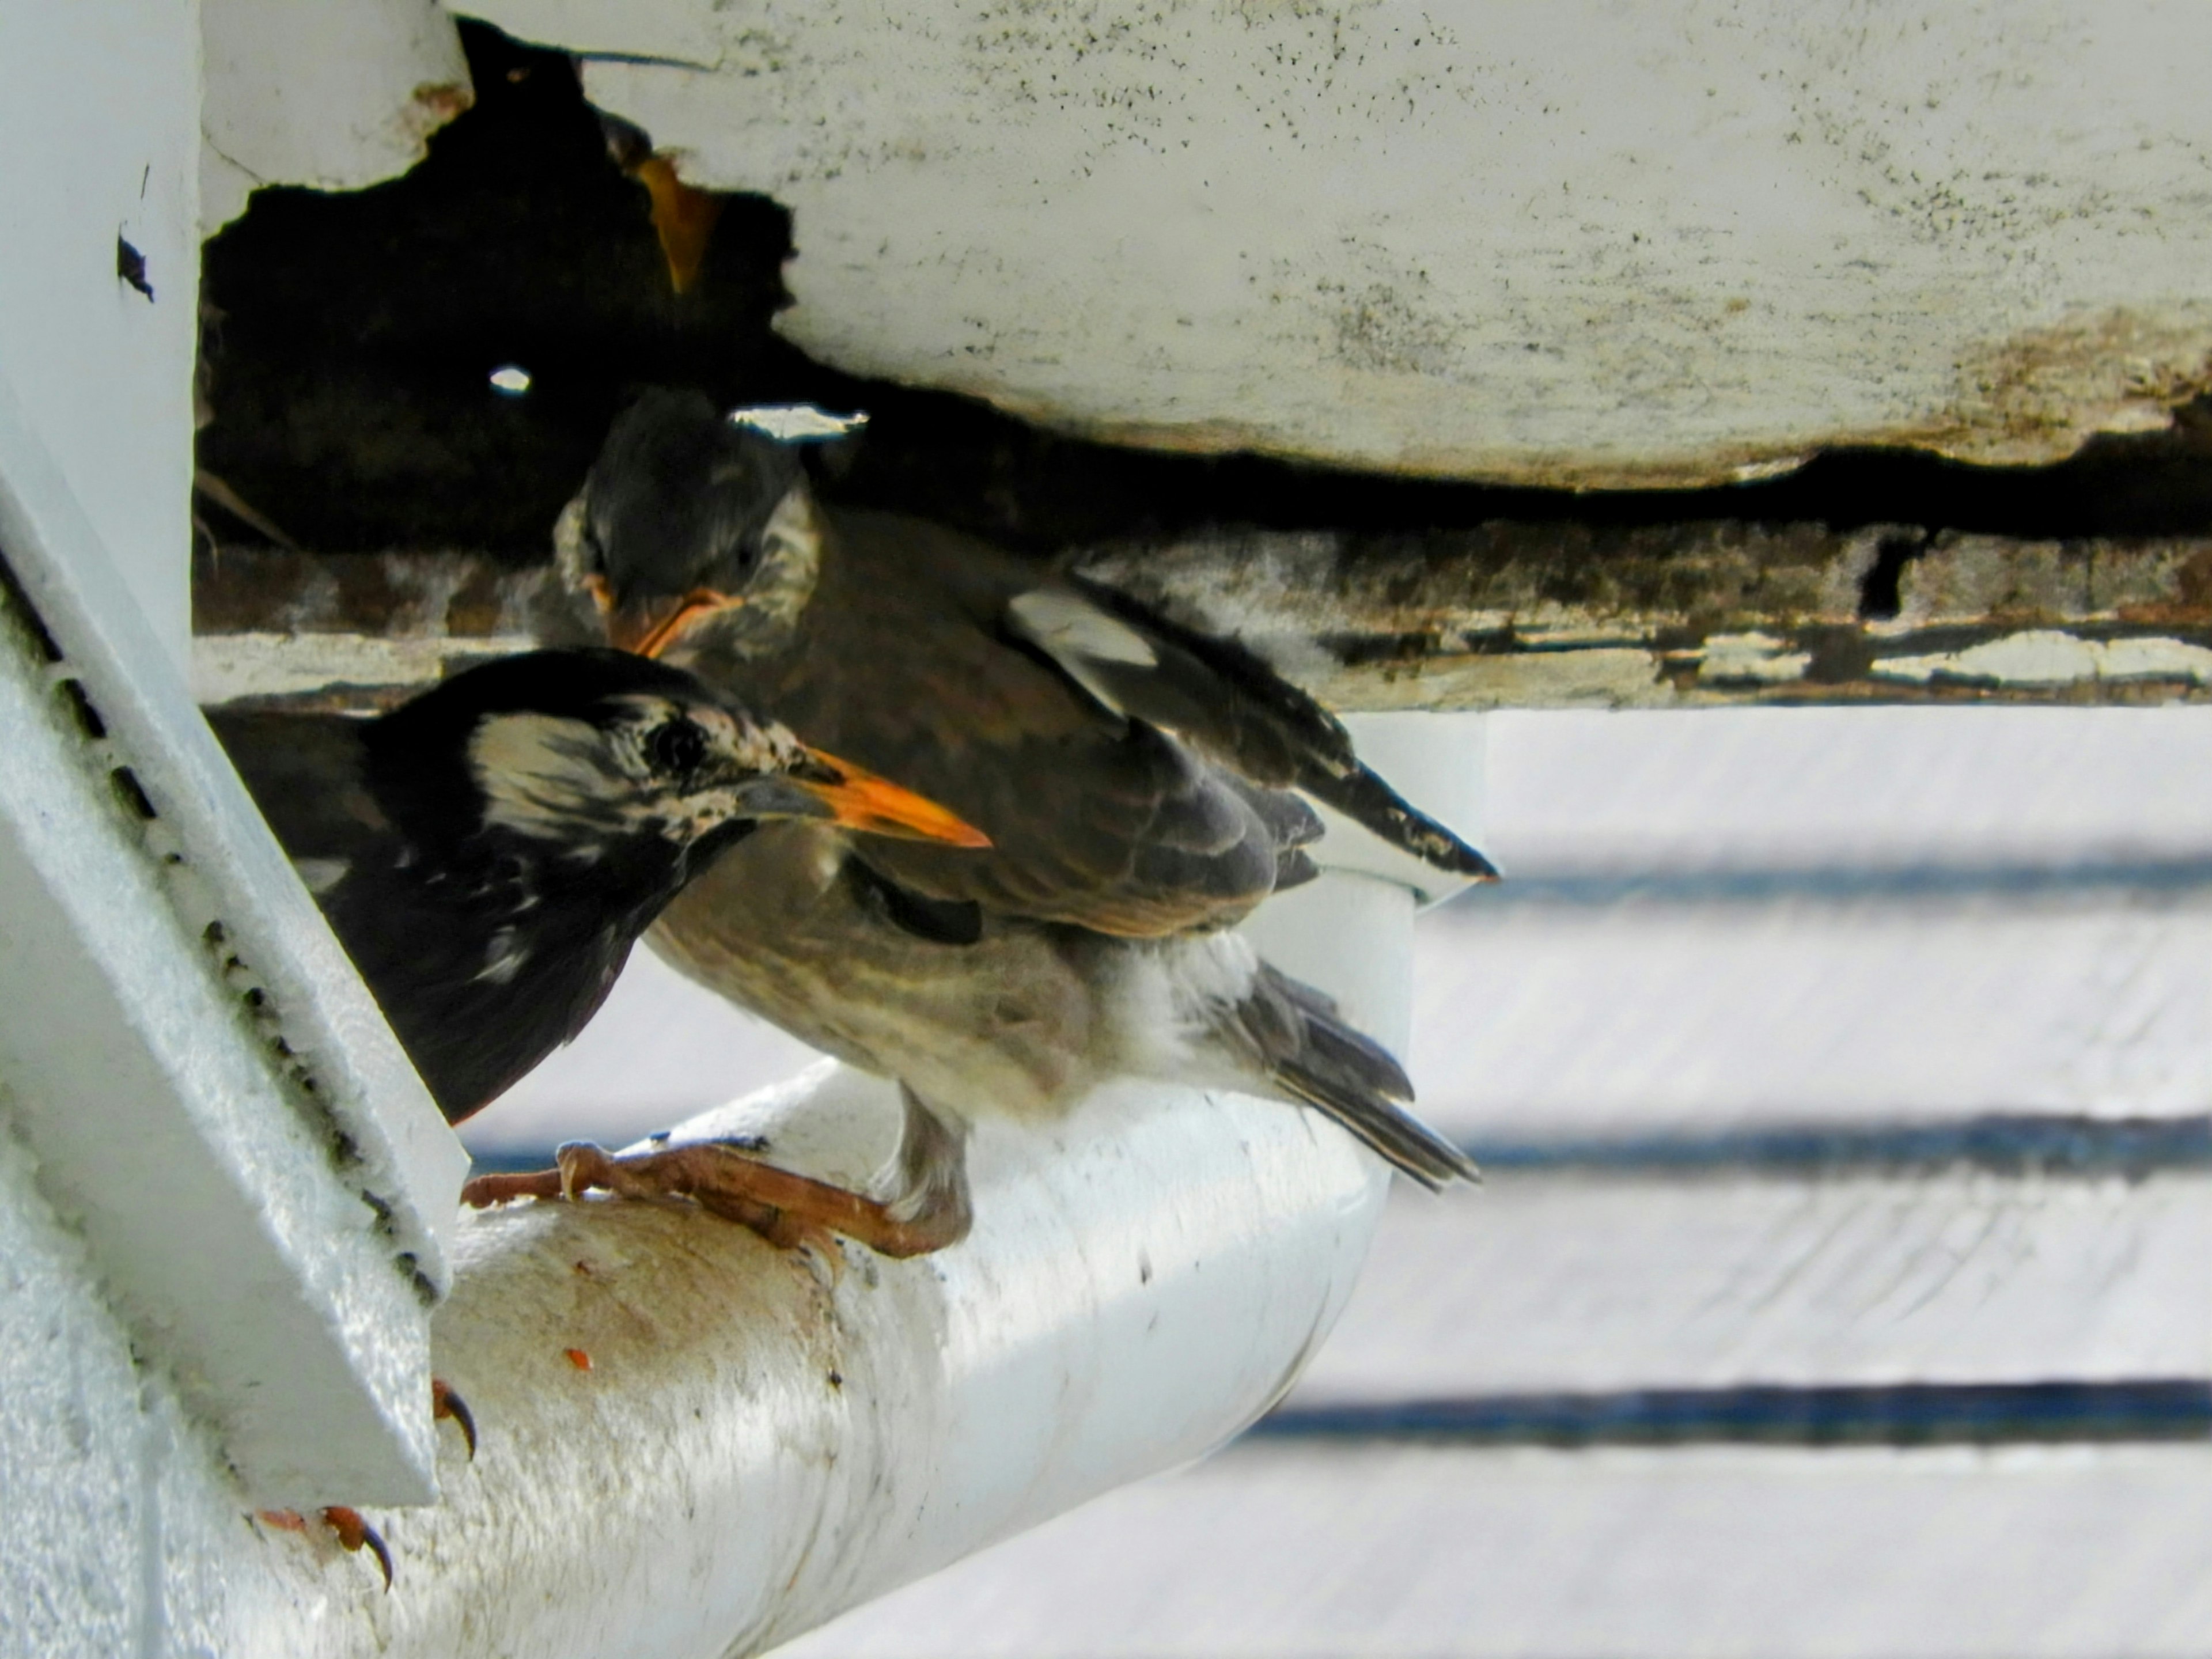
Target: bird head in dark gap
[[690, 525]]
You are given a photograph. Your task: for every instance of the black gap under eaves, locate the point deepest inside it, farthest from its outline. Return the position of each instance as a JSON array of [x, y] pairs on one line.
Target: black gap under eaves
[[1909, 1414], [351, 339]]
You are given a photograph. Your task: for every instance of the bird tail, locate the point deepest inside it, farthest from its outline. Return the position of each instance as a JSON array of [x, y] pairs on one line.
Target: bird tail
[[1312, 1055]]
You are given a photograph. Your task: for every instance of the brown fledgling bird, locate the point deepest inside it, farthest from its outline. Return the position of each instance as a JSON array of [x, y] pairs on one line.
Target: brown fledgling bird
[[1137, 781]]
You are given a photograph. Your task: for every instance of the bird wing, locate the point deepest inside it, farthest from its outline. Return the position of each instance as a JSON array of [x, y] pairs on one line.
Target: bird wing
[[1221, 697], [910, 661], [305, 773]]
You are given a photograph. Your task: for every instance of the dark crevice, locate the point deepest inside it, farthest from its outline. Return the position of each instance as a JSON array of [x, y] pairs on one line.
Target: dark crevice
[[1880, 590], [73, 696], [351, 339], [15, 601], [131, 794]]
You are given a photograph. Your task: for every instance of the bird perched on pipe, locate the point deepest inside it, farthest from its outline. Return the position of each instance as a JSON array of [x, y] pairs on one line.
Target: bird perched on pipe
[[1135, 779]]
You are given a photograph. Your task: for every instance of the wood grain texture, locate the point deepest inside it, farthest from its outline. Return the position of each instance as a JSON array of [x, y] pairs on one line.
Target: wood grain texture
[[1502, 615], [1573, 1285]]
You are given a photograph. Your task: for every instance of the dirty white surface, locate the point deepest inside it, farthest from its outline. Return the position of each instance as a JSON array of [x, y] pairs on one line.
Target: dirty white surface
[[187, 1104], [100, 108], [247, 1266], [1570, 243], [756, 1442], [757, 1446], [333, 95]]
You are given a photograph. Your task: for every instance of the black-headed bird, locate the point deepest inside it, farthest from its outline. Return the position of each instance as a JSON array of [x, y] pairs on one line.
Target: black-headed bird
[[489, 852]]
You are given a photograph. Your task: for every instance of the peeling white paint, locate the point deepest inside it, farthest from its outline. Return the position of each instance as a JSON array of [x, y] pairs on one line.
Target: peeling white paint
[[337, 95], [1758, 657], [1564, 243], [2047, 657], [229, 665]]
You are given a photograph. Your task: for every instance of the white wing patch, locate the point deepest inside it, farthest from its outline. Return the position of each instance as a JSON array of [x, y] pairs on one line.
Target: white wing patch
[[320, 875], [502, 960], [1077, 635]]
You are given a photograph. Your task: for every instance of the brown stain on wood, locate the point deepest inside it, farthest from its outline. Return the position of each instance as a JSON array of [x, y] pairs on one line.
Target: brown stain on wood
[[2032, 397]]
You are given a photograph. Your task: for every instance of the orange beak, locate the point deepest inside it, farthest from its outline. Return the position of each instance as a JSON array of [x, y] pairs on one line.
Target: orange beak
[[649, 632], [857, 799]]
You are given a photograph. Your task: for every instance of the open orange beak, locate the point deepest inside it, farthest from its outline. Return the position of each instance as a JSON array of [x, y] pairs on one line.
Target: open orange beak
[[649, 631], [827, 787]]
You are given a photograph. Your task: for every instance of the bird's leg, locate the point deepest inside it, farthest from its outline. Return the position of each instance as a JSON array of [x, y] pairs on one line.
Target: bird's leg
[[932, 1164], [785, 1209]]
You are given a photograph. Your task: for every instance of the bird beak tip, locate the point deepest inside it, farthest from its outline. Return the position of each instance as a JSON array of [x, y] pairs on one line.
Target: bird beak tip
[[860, 800], [650, 631]]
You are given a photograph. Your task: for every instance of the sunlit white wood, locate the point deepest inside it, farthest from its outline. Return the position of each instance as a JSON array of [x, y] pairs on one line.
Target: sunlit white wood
[[335, 95], [100, 119], [1638, 793], [212, 1096], [1544, 1019], [1310, 1553], [1556, 1283]]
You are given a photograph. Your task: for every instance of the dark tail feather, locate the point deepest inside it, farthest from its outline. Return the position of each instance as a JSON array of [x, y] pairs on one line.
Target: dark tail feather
[[1334, 1069]]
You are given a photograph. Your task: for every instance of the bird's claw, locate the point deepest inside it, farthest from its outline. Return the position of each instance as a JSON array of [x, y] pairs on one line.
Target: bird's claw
[[346, 1525], [445, 1402]]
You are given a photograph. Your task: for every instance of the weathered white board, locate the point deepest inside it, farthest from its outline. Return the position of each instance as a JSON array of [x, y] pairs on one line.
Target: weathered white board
[[1573, 243], [1556, 1284]]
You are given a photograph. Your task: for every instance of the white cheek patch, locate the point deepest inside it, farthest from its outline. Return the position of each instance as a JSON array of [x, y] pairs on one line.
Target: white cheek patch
[[546, 777]]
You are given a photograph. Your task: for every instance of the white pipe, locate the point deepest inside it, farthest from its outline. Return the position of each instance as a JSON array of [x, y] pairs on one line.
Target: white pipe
[[760, 1443]]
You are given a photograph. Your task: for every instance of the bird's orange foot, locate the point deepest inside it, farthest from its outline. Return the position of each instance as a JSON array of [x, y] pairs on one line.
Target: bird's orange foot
[[787, 1210], [446, 1404], [345, 1524]]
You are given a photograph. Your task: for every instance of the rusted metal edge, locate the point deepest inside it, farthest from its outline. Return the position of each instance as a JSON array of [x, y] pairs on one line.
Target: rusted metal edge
[[1500, 616]]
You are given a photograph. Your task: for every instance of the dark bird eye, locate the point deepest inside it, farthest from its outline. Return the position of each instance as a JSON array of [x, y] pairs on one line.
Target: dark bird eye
[[679, 746]]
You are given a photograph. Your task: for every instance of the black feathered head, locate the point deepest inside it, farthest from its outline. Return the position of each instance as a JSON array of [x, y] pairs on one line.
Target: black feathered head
[[590, 753]]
